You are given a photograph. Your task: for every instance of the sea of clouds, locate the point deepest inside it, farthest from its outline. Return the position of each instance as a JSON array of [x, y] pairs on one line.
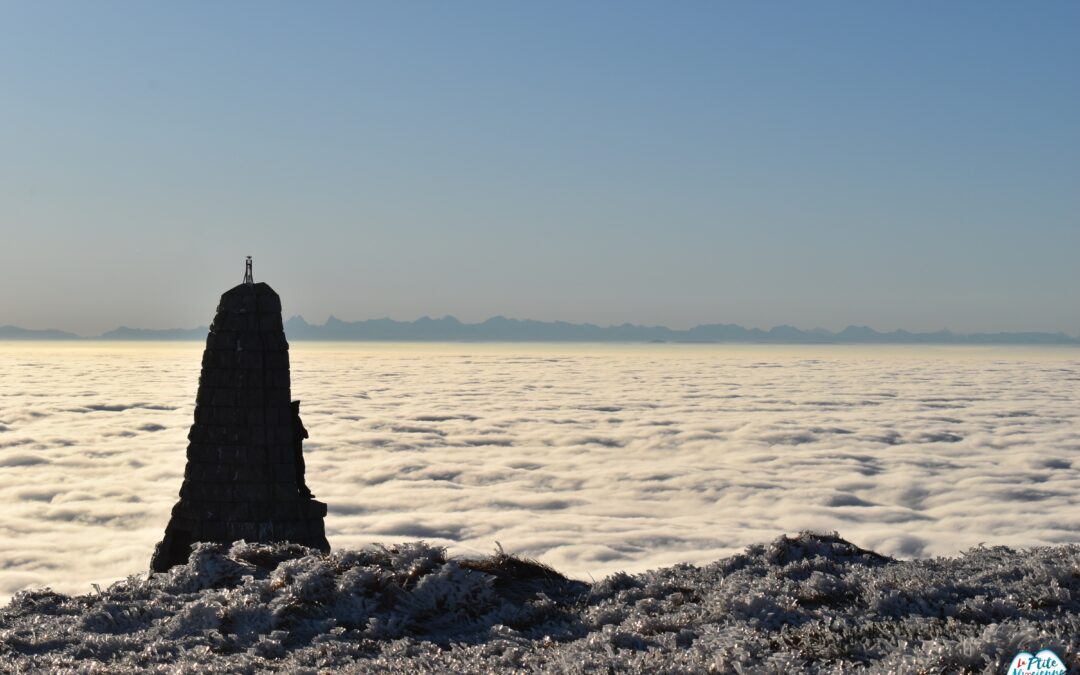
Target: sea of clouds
[[592, 459]]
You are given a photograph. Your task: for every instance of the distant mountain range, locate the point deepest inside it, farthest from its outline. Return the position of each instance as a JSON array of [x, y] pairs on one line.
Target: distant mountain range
[[121, 333], [501, 329]]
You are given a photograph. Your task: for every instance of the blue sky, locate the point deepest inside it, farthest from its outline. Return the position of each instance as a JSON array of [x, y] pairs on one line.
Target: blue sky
[[897, 164]]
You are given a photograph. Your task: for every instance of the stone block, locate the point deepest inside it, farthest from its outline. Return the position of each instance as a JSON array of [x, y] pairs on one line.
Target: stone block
[[269, 304], [210, 453], [284, 472], [289, 529], [253, 415], [190, 490], [205, 396], [193, 471], [279, 434], [250, 360], [285, 490], [270, 323], [251, 397], [274, 342], [250, 343], [247, 531], [280, 452], [252, 492], [216, 396], [268, 530], [214, 530], [277, 361], [227, 435], [198, 451], [257, 435], [275, 396], [232, 417], [219, 511], [274, 417], [214, 415], [209, 434], [224, 341], [255, 472]]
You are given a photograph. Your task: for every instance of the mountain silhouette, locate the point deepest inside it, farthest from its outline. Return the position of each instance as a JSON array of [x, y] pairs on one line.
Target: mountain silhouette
[[16, 333], [503, 329]]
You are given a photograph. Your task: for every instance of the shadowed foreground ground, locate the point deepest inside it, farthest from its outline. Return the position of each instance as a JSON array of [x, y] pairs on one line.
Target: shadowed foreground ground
[[812, 603]]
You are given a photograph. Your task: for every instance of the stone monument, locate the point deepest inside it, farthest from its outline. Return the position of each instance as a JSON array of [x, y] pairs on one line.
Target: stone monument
[[244, 477]]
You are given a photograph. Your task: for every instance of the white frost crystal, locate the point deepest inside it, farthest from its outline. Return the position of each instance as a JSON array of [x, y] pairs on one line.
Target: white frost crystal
[[812, 603]]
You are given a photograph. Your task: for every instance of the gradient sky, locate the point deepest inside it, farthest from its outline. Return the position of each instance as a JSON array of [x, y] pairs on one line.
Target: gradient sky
[[906, 164]]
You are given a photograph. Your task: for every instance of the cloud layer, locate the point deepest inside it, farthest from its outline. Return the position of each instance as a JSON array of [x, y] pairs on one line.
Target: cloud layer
[[590, 458]]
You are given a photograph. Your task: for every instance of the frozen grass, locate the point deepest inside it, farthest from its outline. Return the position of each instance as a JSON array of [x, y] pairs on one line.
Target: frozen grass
[[811, 603]]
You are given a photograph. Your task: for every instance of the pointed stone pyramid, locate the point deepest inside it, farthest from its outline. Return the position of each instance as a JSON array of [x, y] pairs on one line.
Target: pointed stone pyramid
[[244, 477]]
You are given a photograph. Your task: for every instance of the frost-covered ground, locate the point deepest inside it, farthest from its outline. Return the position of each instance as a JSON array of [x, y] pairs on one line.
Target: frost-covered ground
[[814, 603], [592, 459]]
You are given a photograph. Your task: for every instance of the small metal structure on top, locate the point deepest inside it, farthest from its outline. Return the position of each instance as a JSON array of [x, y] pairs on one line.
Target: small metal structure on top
[[247, 272]]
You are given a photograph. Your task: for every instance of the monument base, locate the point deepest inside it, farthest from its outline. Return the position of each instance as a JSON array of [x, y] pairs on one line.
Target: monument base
[[299, 521]]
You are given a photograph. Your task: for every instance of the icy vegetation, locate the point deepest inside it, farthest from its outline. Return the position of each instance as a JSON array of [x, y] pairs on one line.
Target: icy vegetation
[[812, 603]]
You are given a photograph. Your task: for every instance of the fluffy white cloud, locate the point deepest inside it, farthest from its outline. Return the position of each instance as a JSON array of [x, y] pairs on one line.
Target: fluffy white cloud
[[591, 458]]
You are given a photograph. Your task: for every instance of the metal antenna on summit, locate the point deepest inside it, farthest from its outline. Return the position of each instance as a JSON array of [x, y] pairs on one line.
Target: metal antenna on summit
[[247, 272]]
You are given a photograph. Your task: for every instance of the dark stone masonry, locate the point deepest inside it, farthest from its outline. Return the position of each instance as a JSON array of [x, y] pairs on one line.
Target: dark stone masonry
[[244, 476]]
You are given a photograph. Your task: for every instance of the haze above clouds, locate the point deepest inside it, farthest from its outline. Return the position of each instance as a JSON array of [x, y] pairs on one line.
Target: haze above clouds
[[592, 459]]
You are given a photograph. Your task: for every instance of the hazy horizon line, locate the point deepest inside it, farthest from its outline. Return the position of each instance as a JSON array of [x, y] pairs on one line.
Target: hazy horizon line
[[502, 328]]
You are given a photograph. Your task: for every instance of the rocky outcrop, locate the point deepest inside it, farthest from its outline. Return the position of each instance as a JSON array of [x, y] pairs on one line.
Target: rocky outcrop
[[244, 475]]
